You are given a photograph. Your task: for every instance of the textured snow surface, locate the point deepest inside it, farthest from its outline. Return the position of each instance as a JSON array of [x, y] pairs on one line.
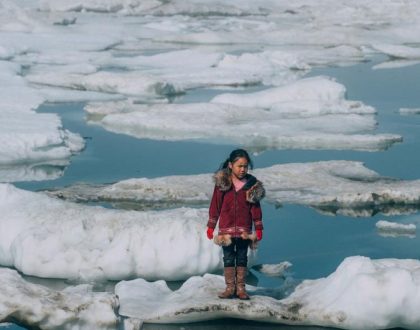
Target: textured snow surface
[[333, 186], [273, 269], [311, 113], [361, 294], [28, 138], [36, 306], [45, 237], [152, 51]]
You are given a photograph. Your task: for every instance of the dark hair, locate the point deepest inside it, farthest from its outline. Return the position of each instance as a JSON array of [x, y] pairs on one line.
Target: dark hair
[[234, 156]]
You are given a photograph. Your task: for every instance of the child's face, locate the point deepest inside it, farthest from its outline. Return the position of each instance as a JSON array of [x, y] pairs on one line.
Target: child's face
[[239, 167]]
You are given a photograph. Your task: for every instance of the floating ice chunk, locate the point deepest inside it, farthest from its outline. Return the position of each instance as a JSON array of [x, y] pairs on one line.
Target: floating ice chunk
[[410, 111], [196, 300], [62, 95], [65, 240], [101, 6], [391, 285], [154, 7], [172, 61], [393, 229], [334, 122], [395, 64], [273, 269], [128, 83], [341, 300], [34, 141], [39, 307], [209, 69], [32, 137], [330, 185], [398, 51], [321, 93], [15, 94]]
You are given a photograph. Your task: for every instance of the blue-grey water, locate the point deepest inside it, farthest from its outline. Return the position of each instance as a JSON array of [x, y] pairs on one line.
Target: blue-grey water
[[314, 243]]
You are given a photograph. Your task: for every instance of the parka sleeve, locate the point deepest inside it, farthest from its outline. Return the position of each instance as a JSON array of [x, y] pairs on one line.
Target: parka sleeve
[[215, 207], [256, 214]]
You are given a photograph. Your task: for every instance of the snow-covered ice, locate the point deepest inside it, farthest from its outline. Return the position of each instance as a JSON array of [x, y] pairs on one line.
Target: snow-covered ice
[[394, 229], [273, 269], [332, 186], [311, 113], [409, 111], [78, 52], [36, 306], [361, 294], [28, 138], [31, 137], [45, 237]]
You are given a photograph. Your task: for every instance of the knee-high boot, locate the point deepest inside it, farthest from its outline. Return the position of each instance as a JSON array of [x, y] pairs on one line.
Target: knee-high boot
[[230, 275], [240, 283]]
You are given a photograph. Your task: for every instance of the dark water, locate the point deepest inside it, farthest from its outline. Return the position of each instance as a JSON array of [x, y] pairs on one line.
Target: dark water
[[314, 243]]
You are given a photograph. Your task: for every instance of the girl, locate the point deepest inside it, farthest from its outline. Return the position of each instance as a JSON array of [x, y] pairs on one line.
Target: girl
[[235, 205]]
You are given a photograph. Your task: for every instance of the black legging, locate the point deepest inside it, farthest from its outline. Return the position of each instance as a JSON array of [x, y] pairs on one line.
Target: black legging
[[236, 253]]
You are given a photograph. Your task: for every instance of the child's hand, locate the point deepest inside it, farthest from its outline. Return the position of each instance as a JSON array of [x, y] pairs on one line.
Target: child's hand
[[258, 232], [210, 233]]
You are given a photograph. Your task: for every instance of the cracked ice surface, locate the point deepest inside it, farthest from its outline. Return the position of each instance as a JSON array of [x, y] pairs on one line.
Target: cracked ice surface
[[311, 113], [71, 241], [37, 306], [328, 185], [338, 300]]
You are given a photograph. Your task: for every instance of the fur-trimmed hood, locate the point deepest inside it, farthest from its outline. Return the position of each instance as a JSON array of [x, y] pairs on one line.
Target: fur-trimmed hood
[[254, 188]]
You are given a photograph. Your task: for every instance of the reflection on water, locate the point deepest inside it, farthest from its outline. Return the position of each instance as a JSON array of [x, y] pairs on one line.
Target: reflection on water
[[226, 324]]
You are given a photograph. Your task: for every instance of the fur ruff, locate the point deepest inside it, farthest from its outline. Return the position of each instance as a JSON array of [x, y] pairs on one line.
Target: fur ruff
[[254, 188], [226, 240]]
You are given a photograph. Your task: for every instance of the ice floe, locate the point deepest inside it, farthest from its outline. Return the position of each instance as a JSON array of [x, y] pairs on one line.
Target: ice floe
[[31, 137], [28, 138], [346, 187], [45, 237], [273, 269], [409, 111], [393, 229], [309, 114], [36, 306], [361, 294]]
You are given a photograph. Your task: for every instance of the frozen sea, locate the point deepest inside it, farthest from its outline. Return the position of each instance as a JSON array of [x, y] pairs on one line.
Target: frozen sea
[[287, 227], [100, 92], [313, 242]]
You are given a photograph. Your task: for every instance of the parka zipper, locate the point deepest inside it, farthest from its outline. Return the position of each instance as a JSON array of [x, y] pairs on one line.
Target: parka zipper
[[235, 209]]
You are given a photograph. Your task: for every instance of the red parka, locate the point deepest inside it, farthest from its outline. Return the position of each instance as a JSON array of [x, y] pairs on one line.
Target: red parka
[[235, 211]]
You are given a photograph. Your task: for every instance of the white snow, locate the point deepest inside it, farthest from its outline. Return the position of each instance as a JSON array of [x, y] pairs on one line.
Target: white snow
[[273, 269], [28, 138], [409, 111], [309, 114], [361, 294], [334, 186], [45, 237], [394, 229], [32, 137], [399, 51], [76, 307]]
